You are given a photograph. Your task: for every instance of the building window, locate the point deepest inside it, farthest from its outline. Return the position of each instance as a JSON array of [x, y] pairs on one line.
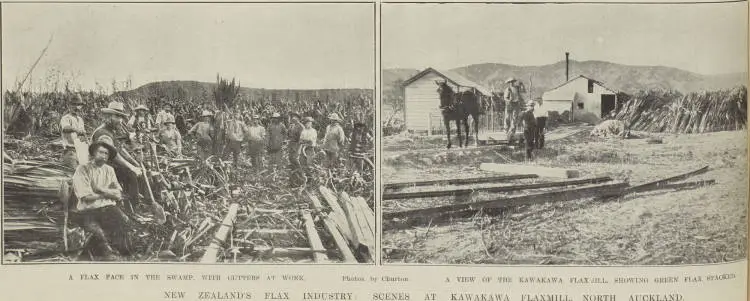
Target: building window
[[591, 86], [580, 106]]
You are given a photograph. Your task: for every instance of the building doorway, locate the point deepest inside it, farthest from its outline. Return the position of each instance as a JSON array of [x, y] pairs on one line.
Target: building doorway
[[608, 104]]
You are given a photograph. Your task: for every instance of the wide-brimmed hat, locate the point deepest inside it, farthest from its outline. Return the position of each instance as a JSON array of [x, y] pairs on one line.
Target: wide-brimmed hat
[[112, 150], [207, 113], [275, 115], [334, 117], [256, 116], [308, 119], [168, 119], [115, 108], [141, 107], [510, 80], [76, 100]]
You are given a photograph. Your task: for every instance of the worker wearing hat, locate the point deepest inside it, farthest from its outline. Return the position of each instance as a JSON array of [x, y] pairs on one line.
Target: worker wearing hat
[[541, 113], [307, 138], [170, 137], [295, 131], [164, 113], [125, 166], [360, 144], [236, 133], [513, 96], [256, 137], [98, 193], [529, 128], [276, 135], [72, 130], [140, 122], [205, 132], [333, 140]]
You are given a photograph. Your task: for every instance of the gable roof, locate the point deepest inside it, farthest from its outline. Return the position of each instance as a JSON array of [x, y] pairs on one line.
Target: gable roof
[[588, 78], [453, 77]]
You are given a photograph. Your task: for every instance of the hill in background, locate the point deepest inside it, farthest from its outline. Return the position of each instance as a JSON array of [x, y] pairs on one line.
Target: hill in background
[[202, 92], [624, 78]]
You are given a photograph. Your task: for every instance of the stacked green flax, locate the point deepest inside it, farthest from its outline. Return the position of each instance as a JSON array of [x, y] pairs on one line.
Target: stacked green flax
[[698, 112]]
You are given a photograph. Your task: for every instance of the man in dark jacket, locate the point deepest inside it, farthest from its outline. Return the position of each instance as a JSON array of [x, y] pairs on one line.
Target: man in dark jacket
[[529, 128]]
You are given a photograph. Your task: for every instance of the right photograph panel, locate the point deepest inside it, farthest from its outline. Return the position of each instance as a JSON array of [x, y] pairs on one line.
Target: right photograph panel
[[576, 134]]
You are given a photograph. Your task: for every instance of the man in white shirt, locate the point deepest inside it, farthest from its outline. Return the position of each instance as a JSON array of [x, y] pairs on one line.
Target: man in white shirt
[[72, 131], [514, 101], [98, 192], [256, 137], [333, 140], [164, 114]]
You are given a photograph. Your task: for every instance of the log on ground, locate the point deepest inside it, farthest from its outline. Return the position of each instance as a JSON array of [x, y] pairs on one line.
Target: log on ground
[[459, 181], [504, 188], [221, 235], [549, 172], [546, 197], [656, 184], [314, 238], [333, 229]]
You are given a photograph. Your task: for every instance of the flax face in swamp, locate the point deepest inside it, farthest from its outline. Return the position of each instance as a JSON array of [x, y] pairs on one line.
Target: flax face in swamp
[[203, 169], [578, 161]]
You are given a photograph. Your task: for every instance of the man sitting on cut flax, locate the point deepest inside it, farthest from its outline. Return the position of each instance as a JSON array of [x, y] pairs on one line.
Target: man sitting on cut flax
[[98, 192]]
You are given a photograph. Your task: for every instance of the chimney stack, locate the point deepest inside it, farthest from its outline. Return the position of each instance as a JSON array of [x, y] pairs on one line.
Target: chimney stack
[[567, 66]]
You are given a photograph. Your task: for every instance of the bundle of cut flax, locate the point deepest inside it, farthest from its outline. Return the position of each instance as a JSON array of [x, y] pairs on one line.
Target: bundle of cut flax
[[698, 112], [31, 219]]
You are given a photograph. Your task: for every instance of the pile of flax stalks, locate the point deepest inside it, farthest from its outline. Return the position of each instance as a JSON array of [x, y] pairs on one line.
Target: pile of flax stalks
[[698, 112]]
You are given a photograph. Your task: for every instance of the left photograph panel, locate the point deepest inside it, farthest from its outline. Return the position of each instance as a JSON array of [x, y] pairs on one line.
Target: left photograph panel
[[188, 133]]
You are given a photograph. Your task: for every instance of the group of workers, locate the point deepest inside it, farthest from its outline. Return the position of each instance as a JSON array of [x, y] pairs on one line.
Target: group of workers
[[107, 183], [531, 114]]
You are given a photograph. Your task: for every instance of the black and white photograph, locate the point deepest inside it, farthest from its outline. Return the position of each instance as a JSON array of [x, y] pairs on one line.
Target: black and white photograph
[[237, 133], [564, 134]]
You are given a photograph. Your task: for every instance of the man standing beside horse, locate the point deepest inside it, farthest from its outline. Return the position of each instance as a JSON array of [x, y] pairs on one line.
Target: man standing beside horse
[[513, 96]]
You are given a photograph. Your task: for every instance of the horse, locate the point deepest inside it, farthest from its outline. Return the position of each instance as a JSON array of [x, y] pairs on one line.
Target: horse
[[458, 107]]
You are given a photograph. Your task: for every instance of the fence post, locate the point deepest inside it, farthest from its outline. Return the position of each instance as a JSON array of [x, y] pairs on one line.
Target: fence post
[[429, 124]]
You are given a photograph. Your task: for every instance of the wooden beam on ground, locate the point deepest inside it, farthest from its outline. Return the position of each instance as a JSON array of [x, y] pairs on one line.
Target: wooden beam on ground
[[548, 172], [505, 188], [351, 219], [459, 181], [369, 213], [266, 231], [337, 213], [655, 184], [358, 222], [314, 238], [560, 195], [221, 235], [684, 185], [333, 229]]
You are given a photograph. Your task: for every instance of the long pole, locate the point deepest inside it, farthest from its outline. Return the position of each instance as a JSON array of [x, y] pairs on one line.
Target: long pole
[[35, 63]]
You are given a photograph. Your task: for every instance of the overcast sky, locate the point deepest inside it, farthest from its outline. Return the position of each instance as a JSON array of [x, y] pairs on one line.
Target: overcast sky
[[703, 38], [263, 45]]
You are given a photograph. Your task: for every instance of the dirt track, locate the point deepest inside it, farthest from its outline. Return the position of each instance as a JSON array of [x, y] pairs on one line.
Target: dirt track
[[701, 225]]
